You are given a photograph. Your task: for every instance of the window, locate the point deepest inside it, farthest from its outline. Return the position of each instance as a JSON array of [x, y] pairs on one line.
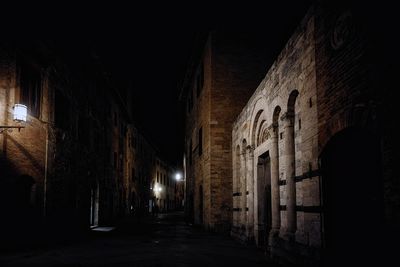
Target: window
[[31, 83], [200, 141]]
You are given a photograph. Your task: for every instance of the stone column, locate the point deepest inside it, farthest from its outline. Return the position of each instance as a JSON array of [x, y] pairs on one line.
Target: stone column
[[235, 187], [243, 188], [288, 124], [275, 196], [250, 189]]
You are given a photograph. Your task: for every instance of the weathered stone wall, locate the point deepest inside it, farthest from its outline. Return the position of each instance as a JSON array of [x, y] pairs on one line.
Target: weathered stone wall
[[144, 174], [198, 169], [331, 81], [77, 145], [238, 69], [22, 152], [285, 101], [232, 67], [355, 80], [163, 179]]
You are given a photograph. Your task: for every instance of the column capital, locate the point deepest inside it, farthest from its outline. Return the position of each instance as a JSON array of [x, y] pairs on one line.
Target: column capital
[[273, 129], [247, 150], [250, 149]]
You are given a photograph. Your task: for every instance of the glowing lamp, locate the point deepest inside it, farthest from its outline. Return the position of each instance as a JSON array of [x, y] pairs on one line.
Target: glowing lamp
[[20, 113], [157, 189], [178, 176]]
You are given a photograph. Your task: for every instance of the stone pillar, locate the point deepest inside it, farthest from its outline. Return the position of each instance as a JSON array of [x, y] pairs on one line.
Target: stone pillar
[[275, 196], [250, 189], [243, 188], [289, 153], [235, 187]]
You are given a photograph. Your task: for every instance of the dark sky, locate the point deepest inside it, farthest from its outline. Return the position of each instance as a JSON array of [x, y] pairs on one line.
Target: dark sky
[[147, 50], [146, 47]]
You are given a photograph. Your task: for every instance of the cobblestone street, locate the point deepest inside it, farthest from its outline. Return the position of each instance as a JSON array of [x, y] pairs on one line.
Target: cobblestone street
[[163, 241]]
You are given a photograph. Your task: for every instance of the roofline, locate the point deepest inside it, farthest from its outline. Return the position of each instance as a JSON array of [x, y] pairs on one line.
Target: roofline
[[197, 51]]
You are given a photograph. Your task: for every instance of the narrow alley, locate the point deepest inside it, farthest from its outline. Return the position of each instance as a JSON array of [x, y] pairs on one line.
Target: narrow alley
[[242, 135], [162, 241]]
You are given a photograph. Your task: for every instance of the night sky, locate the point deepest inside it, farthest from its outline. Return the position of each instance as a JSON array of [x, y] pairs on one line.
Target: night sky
[[147, 51], [146, 48]]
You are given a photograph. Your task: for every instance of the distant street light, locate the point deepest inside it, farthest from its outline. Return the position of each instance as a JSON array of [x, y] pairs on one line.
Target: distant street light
[[157, 189], [178, 176]]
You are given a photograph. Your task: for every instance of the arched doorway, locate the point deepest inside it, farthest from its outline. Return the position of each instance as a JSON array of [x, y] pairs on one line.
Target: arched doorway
[[352, 197], [94, 205], [264, 198]]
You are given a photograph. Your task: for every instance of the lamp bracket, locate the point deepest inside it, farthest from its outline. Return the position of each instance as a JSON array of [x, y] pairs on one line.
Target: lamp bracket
[[10, 128]]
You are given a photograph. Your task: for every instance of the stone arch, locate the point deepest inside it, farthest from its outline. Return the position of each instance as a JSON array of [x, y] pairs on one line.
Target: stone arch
[[291, 102], [275, 115], [359, 115], [351, 162], [258, 115], [262, 133], [254, 128]]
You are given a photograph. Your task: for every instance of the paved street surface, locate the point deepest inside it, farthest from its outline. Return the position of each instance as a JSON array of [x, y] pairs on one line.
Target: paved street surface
[[163, 241]]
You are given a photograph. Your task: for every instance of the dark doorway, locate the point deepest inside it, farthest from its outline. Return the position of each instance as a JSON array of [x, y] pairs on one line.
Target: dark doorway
[[201, 204], [264, 198], [352, 202], [94, 206]]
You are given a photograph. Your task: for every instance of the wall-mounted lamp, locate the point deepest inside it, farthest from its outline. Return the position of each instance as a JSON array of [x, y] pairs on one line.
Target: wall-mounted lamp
[[19, 115]]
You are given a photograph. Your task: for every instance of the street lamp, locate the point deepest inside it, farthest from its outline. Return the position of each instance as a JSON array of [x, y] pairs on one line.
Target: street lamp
[[19, 115], [178, 176]]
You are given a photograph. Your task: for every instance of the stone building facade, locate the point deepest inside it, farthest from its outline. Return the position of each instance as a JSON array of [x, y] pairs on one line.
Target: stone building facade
[[223, 71], [142, 171], [163, 186], [80, 161], [312, 153]]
